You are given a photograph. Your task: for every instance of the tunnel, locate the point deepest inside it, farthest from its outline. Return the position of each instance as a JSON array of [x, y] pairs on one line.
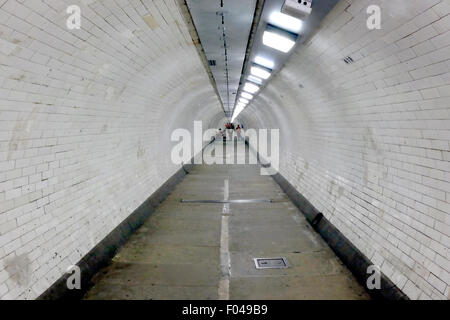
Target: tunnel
[[225, 149]]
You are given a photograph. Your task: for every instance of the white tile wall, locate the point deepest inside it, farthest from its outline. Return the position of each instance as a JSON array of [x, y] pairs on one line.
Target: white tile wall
[[85, 123], [367, 143]]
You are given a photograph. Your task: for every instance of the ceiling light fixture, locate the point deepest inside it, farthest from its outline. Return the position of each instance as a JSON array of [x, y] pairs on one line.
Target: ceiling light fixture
[[260, 72], [246, 95], [285, 21], [254, 79], [243, 100], [279, 39], [264, 62], [236, 112], [250, 87]]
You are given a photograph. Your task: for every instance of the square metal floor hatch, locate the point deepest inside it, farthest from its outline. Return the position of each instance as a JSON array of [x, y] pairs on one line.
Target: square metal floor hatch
[[271, 263]]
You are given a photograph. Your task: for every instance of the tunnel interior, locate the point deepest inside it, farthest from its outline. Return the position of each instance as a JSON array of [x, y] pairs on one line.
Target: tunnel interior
[[87, 117]]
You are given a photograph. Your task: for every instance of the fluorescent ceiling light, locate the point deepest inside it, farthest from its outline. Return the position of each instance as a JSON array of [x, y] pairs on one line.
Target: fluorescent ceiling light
[[250, 87], [264, 62], [243, 100], [279, 39], [260, 72], [236, 112], [254, 79], [240, 104], [285, 21], [246, 95]]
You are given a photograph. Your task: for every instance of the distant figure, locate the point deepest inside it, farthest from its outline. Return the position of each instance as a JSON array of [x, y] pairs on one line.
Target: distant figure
[[238, 130]]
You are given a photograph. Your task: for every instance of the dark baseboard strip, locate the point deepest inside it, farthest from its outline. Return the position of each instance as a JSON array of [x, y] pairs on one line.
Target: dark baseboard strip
[[354, 259], [103, 252]]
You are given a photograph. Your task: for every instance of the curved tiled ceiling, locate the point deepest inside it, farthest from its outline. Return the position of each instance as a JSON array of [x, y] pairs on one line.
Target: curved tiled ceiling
[[271, 15], [224, 28]]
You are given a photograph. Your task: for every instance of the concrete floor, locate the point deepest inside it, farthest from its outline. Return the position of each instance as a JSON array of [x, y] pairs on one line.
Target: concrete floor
[[206, 251]]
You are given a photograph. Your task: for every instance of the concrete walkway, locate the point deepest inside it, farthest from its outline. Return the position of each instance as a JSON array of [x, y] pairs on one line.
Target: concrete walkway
[[206, 251]]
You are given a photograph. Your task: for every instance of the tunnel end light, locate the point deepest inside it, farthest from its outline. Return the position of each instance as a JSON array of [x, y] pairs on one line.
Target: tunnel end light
[[250, 87], [279, 39], [260, 72]]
